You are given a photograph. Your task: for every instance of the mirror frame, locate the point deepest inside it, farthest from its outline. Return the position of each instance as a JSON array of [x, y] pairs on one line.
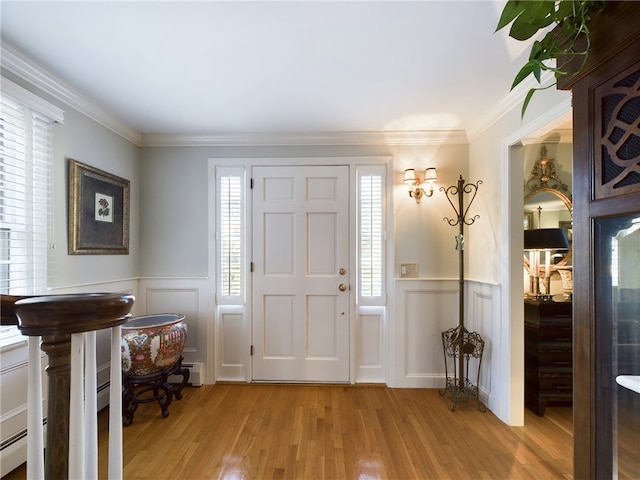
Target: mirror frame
[[567, 202]]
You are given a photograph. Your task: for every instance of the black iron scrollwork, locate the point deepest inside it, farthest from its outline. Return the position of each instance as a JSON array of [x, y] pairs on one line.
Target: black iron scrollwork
[[461, 213]]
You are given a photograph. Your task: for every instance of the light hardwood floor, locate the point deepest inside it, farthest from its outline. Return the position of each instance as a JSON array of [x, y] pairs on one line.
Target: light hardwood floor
[[230, 431]]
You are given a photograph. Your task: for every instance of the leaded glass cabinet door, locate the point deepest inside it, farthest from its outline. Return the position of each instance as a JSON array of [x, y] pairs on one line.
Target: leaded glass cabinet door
[[617, 313], [606, 246]]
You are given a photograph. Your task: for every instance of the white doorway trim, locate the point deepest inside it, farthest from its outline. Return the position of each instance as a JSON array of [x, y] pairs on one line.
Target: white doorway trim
[[231, 361], [511, 356]]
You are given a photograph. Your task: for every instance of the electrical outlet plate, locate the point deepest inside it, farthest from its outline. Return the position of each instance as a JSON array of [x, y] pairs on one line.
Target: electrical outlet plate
[[408, 270]]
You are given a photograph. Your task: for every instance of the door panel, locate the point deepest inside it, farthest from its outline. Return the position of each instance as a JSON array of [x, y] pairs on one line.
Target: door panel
[[300, 239], [279, 244]]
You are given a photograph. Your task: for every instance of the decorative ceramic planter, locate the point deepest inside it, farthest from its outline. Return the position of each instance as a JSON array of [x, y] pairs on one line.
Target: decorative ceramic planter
[[152, 343]]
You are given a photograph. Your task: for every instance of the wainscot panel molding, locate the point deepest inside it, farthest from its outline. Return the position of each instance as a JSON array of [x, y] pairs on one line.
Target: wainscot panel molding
[[424, 309], [188, 296], [370, 345], [233, 349], [482, 315]]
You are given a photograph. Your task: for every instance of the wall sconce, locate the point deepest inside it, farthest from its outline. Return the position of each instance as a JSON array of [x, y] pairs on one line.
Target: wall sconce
[[417, 187]]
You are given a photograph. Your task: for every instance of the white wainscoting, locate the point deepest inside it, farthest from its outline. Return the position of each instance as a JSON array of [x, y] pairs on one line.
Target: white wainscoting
[[483, 311], [424, 308], [233, 339], [188, 296], [370, 345]]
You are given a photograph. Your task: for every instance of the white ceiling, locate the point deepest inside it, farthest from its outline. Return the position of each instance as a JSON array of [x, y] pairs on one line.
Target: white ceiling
[[215, 67]]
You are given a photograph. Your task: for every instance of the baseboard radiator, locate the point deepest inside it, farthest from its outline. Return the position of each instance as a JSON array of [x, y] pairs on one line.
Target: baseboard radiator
[[196, 373]]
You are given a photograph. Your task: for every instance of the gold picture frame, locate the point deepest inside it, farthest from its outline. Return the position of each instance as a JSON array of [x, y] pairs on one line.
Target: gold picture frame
[[98, 219]]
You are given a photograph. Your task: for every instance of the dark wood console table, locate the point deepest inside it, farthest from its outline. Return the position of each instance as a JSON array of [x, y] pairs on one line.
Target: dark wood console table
[[548, 354]]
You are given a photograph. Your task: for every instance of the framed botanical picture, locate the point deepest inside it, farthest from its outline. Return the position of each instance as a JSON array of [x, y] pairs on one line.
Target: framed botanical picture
[[98, 211]]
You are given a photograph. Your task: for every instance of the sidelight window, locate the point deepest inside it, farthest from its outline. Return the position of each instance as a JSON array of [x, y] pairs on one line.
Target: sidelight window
[[231, 231], [371, 234]]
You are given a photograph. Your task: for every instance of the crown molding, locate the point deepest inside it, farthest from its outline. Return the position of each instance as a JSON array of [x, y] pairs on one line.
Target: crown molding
[[513, 99], [426, 137], [31, 100], [16, 63]]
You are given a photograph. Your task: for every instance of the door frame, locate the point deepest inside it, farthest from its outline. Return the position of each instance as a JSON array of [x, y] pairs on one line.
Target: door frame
[[510, 404], [218, 368]]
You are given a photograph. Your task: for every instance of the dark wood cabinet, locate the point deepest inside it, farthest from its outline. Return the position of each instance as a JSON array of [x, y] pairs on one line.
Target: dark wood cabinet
[[606, 210], [548, 354]]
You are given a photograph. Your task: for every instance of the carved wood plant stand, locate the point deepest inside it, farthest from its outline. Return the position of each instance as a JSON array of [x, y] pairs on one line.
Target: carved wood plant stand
[[152, 388]]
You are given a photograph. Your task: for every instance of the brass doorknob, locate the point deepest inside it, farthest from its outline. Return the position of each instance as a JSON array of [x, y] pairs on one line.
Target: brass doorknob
[[342, 287]]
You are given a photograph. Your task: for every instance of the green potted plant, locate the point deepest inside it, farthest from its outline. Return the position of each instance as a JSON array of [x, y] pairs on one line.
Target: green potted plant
[[566, 43]]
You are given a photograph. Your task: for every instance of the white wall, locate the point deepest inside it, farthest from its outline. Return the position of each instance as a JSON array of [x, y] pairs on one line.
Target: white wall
[[495, 247], [421, 234], [87, 142], [173, 228], [174, 199], [174, 239]]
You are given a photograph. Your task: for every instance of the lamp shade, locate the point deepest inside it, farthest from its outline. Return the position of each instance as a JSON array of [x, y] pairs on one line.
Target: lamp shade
[[430, 175], [545, 239], [409, 175]]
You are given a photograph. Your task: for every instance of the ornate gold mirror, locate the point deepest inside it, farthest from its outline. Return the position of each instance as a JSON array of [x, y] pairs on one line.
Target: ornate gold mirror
[[547, 204]]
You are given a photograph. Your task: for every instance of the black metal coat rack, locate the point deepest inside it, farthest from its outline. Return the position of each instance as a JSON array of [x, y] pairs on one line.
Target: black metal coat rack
[[458, 344]]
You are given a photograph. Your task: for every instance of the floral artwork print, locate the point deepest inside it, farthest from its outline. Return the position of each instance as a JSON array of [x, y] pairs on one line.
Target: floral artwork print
[[98, 219], [104, 211]]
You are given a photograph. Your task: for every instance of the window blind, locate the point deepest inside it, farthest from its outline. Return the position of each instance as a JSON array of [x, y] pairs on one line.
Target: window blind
[[25, 201], [230, 215], [371, 241]]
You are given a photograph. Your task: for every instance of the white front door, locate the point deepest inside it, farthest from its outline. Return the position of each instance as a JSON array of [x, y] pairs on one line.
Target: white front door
[[301, 279]]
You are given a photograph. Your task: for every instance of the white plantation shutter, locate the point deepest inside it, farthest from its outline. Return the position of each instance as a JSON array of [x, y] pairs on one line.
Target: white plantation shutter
[[371, 234], [25, 193], [231, 232]]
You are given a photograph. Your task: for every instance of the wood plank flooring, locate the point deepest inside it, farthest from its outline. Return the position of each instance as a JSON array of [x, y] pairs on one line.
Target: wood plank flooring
[[240, 431]]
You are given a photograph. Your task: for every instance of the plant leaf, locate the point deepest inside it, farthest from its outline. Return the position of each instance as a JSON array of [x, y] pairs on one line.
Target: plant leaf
[[529, 23], [564, 9], [527, 99], [536, 50], [569, 40], [526, 70], [537, 71], [511, 10]]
